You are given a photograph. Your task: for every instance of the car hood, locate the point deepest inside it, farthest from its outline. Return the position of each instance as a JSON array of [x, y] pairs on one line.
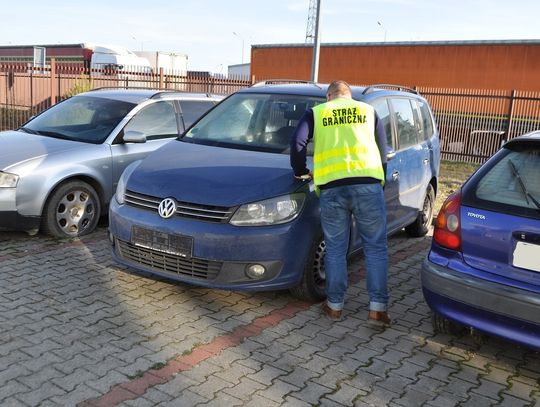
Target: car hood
[[213, 175], [17, 147]]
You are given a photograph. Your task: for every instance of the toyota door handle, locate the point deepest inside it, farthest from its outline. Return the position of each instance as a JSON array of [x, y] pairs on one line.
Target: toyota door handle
[[395, 175]]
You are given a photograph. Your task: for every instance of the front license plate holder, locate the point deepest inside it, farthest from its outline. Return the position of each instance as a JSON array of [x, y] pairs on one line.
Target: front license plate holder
[[170, 243], [527, 256]]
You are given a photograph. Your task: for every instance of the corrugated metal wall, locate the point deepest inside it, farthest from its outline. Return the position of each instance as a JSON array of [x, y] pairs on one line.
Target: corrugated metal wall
[[450, 65]]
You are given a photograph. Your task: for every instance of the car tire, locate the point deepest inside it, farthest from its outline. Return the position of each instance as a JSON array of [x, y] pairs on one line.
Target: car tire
[[312, 287], [443, 325], [73, 209], [423, 221]]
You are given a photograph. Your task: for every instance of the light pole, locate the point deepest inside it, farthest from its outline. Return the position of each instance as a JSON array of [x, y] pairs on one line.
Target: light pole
[[316, 46], [242, 38], [383, 27]]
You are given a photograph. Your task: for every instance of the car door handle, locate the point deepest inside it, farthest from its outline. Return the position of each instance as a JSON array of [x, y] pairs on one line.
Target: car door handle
[[395, 175], [426, 161]]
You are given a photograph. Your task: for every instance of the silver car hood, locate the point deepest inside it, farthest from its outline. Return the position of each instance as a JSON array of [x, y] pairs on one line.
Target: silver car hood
[[17, 147]]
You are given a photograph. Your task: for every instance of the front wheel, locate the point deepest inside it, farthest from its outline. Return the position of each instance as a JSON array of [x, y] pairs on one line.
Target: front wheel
[[312, 287], [421, 224], [72, 210]]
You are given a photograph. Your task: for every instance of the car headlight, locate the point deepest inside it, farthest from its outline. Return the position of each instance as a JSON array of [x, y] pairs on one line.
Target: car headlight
[[120, 194], [272, 211], [8, 180]]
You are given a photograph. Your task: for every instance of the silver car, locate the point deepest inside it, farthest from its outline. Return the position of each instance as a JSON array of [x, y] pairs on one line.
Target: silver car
[[59, 170]]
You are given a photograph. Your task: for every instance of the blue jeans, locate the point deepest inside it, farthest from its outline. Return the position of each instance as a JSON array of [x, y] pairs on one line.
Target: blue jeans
[[366, 203]]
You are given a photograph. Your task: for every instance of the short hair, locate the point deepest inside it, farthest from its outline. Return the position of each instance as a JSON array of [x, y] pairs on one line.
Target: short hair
[[339, 89]]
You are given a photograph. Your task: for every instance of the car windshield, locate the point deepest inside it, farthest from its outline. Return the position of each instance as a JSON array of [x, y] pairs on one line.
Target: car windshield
[[81, 118], [513, 183], [252, 121]]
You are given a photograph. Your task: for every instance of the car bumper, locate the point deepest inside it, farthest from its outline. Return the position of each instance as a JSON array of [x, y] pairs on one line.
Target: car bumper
[[221, 253], [10, 218], [13, 221], [497, 309]]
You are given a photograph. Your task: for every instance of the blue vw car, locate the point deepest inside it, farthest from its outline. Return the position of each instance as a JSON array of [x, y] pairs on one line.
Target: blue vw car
[[483, 269], [219, 206]]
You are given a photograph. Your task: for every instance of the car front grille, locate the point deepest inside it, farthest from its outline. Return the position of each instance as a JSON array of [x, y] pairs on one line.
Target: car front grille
[[209, 213], [168, 263]]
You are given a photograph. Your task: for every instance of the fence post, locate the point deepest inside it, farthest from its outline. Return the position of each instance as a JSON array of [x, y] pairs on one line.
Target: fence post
[[32, 92], [510, 115], [161, 79], [53, 81]]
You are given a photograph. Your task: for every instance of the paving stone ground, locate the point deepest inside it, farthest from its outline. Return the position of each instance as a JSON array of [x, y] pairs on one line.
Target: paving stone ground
[[77, 329]]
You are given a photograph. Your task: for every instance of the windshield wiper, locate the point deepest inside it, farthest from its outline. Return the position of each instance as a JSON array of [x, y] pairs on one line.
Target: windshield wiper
[[54, 134], [45, 133], [522, 185], [27, 130]]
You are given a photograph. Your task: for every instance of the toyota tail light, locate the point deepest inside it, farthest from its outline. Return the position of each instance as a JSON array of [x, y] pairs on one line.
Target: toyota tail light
[[447, 231]]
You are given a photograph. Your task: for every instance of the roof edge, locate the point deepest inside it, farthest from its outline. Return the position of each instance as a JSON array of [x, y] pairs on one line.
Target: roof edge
[[403, 43]]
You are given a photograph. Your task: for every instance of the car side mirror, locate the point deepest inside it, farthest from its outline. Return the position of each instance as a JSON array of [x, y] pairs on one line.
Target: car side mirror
[[132, 136]]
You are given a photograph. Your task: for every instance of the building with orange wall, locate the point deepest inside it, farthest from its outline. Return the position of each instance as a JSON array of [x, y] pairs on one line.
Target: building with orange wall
[[508, 65]]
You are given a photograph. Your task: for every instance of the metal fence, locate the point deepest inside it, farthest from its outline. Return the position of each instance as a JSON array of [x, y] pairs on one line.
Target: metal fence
[[26, 90], [475, 123], [472, 123]]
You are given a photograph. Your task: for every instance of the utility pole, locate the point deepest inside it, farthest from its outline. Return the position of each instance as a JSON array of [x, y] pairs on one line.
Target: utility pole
[[312, 15], [312, 35]]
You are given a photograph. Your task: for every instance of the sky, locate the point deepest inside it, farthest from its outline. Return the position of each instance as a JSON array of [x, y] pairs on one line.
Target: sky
[[217, 33]]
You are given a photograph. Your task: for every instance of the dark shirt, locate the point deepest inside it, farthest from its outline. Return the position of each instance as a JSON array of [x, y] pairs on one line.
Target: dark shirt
[[303, 135]]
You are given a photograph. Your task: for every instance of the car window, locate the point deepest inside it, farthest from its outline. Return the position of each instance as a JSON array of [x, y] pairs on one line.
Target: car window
[[383, 111], [506, 182], [157, 120], [404, 117], [81, 118], [193, 109], [254, 121], [425, 119]]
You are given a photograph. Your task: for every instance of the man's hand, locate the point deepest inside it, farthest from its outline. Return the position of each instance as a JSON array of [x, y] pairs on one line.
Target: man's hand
[[305, 177]]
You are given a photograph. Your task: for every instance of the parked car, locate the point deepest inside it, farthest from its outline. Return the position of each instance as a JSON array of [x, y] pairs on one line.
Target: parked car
[[483, 269], [219, 207], [59, 170]]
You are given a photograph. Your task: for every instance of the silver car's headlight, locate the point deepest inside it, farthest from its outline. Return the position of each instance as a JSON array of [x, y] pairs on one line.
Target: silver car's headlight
[[8, 180], [272, 211], [122, 182]]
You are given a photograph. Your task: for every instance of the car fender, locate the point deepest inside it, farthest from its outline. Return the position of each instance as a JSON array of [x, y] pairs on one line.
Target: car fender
[[40, 177]]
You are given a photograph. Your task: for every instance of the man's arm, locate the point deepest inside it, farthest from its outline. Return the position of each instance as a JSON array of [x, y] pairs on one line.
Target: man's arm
[[380, 138], [299, 141]]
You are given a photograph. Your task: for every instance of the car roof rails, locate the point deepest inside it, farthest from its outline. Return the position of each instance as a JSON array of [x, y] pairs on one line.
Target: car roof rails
[[372, 88], [158, 91], [129, 88], [283, 81]]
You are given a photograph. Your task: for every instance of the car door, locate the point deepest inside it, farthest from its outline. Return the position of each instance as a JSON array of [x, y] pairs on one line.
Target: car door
[[426, 140], [391, 191], [408, 170], [158, 121], [391, 187]]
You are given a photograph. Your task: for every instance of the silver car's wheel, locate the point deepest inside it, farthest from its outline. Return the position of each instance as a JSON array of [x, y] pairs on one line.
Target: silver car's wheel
[[72, 210]]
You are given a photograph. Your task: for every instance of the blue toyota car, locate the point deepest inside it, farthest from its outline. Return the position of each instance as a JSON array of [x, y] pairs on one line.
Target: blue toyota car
[[483, 269], [219, 207]]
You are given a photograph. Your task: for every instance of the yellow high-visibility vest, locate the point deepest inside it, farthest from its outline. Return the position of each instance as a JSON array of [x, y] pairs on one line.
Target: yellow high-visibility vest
[[345, 146]]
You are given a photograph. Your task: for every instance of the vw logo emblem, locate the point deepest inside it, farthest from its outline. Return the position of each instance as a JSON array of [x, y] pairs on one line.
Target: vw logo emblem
[[167, 208]]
